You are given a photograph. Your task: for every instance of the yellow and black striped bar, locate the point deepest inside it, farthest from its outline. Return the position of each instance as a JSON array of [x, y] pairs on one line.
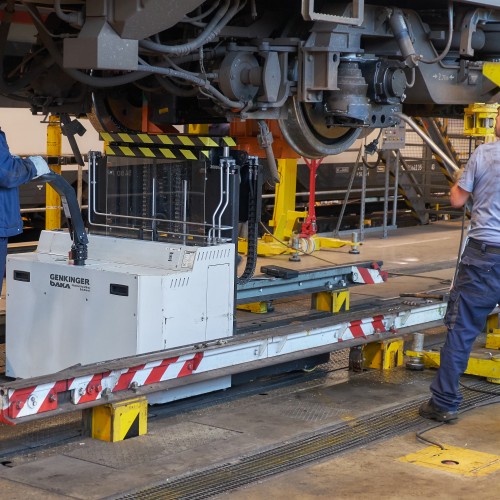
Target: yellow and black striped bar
[[173, 153], [186, 141]]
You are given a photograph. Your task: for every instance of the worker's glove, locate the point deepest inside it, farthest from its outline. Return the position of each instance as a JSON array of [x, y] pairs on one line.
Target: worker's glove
[[40, 165], [457, 174]]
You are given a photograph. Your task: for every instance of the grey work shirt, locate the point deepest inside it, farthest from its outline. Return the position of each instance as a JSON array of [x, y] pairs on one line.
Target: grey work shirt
[[481, 177]]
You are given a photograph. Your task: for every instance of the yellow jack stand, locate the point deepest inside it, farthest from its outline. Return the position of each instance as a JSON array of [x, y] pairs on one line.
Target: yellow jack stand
[[479, 120], [118, 421], [286, 219], [480, 364]]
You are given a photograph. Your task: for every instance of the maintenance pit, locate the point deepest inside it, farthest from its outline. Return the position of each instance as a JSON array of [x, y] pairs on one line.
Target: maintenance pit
[[326, 433]]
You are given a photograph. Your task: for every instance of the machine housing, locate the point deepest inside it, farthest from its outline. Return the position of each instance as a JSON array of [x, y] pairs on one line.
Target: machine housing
[[130, 298]]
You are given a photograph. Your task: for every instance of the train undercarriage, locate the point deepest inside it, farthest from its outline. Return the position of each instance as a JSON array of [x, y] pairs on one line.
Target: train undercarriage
[[328, 71]]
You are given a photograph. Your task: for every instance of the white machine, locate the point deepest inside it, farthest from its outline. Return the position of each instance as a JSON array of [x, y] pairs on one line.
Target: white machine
[[131, 297]]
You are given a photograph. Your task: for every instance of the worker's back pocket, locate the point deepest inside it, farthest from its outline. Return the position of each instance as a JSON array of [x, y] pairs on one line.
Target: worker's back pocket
[[482, 263]]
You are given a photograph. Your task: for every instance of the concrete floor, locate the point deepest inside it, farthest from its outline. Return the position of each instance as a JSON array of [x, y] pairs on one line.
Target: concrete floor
[[376, 472], [231, 424]]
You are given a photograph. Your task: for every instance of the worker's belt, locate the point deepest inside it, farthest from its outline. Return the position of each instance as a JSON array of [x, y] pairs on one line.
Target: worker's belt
[[478, 245]]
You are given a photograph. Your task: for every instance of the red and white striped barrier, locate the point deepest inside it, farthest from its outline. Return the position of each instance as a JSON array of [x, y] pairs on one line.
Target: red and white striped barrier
[[44, 397], [368, 276], [18, 401]]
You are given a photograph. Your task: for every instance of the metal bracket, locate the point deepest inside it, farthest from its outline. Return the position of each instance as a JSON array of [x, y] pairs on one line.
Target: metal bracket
[[469, 27], [357, 18]]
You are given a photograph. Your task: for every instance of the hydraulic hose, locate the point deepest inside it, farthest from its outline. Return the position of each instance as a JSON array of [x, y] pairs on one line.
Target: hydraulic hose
[[73, 214], [75, 18], [190, 77], [213, 28], [443, 54]]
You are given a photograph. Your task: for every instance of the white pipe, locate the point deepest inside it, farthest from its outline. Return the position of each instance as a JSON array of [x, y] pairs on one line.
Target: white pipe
[[428, 141]]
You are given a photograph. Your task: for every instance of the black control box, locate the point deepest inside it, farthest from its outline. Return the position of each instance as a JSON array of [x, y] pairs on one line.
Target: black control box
[[279, 272]]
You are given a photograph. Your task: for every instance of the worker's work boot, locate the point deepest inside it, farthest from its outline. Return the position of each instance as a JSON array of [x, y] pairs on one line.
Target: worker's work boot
[[431, 411]]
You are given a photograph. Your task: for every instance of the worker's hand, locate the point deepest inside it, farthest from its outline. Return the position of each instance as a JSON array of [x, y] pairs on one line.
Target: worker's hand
[[41, 166], [457, 174]]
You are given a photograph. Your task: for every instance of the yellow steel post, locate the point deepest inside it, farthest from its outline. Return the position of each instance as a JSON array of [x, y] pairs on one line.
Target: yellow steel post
[[284, 205], [54, 149]]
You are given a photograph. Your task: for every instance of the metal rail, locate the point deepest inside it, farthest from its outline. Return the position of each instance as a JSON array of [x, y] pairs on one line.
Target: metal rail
[[326, 279], [118, 380]]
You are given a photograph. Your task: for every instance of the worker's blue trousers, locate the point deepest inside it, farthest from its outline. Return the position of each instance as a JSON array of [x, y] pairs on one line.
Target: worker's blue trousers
[[475, 293], [3, 256]]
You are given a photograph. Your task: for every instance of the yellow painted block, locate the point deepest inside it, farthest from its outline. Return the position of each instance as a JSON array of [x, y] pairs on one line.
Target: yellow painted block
[[118, 421], [198, 128], [322, 242], [491, 70], [456, 460], [493, 340], [333, 302], [254, 307], [480, 364], [492, 323], [385, 354]]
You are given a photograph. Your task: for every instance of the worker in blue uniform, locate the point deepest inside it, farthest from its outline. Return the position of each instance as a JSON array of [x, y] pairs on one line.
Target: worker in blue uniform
[[476, 290], [14, 171]]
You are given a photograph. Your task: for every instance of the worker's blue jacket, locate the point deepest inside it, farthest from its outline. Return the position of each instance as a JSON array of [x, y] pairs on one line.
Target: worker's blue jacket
[[14, 171]]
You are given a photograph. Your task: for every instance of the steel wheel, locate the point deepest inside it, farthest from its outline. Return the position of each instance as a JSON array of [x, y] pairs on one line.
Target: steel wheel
[[305, 130]]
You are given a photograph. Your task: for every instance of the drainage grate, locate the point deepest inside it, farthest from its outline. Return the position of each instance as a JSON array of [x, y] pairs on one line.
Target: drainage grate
[[358, 432]]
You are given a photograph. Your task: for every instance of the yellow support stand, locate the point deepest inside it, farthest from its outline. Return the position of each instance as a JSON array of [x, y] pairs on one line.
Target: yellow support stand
[[480, 364], [492, 332], [52, 199], [118, 421], [332, 301], [286, 220], [479, 120], [384, 355], [284, 215]]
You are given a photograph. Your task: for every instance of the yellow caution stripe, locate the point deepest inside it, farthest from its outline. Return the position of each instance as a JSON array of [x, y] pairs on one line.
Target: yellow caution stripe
[[195, 141], [162, 153]]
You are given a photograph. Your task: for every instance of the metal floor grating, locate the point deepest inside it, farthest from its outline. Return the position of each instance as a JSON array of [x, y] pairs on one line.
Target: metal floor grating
[[339, 438]]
